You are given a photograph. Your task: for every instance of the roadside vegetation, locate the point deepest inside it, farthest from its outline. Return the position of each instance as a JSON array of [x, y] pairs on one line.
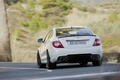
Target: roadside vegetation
[[104, 20], [30, 20]]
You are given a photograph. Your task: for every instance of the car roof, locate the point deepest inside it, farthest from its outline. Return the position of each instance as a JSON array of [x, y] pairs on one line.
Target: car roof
[[71, 27]]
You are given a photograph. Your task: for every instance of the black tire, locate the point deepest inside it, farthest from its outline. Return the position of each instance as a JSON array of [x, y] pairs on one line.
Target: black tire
[[83, 63], [97, 63], [40, 65], [50, 65]]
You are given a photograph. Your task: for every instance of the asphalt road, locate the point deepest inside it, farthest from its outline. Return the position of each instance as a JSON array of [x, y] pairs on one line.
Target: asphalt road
[[30, 71]]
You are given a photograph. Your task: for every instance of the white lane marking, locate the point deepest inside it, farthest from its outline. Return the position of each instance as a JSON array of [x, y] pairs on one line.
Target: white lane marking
[[19, 62], [49, 70], [18, 68], [25, 68], [78, 76]]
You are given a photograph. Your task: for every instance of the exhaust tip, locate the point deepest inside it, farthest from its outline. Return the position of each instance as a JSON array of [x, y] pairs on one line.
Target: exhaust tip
[[62, 59], [95, 57]]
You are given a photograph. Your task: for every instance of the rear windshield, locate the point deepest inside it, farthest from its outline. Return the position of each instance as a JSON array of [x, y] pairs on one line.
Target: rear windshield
[[66, 32]]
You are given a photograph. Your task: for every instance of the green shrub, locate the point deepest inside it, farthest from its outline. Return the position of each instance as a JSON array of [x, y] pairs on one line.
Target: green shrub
[[25, 24], [66, 12], [51, 11], [82, 8], [31, 3], [86, 9], [17, 6], [28, 15], [91, 9], [113, 17], [57, 9], [17, 32], [35, 20], [9, 2], [49, 5], [65, 6], [37, 23]]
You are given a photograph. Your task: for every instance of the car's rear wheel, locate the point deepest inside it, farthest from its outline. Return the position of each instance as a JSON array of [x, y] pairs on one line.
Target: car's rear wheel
[[83, 63], [40, 65], [97, 63], [50, 65]]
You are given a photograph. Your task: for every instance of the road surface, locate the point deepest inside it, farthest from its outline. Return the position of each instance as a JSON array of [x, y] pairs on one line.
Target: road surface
[[30, 71]]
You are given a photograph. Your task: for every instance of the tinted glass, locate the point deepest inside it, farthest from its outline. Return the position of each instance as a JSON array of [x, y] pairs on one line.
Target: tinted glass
[[65, 32]]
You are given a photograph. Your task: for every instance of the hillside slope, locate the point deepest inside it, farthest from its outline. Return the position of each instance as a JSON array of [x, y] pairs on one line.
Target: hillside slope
[[29, 20], [93, 2], [102, 18]]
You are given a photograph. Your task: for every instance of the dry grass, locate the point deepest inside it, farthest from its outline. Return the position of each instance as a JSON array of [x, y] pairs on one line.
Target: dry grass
[[108, 32], [5, 58], [98, 22], [84, 18], [112, 54], [24, 49], [113, 57]]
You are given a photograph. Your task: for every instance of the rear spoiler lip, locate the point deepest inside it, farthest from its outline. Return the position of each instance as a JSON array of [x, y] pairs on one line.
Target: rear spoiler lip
[[75, 35]]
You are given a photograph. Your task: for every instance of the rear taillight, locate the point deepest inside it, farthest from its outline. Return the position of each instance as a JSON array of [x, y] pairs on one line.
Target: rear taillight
[[97, 42], [57, 44]]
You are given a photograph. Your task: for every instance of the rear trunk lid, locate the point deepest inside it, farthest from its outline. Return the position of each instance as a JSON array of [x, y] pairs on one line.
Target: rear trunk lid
[[76, 42]]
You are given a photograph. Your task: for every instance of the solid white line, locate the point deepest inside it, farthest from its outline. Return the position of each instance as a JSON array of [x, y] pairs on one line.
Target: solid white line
[[49, 70], [18, 68], [25, 68], [18, 62], [78, 76]]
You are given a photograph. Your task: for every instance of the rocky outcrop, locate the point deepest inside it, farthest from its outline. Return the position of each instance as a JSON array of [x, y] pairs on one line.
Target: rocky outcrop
[[5, 51]]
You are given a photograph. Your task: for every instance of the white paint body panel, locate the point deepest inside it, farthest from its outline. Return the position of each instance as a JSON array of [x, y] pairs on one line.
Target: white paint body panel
[[68, 49]]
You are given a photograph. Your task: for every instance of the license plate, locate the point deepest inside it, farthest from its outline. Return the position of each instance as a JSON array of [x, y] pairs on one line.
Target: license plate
[[76, 42]]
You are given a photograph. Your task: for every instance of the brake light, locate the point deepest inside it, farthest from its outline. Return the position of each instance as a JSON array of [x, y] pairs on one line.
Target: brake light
[[97, 42], [57, 44]]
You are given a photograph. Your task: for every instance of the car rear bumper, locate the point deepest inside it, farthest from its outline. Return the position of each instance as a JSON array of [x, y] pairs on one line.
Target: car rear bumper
[[78, 58], [73, 54]]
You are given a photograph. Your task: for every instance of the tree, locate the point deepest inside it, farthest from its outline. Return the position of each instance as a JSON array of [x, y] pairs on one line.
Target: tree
[[5, 51]]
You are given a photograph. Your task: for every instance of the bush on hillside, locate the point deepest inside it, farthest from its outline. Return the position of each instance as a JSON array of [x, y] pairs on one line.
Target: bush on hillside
[[35, 23], [61, 5], [86, 9], [91, 9], [17, 6], [53, 13], [9, 2], [113, 17], [57, 9], [31, 3]]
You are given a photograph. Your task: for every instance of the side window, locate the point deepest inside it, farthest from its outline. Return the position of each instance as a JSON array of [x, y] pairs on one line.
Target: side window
[[48, 36]]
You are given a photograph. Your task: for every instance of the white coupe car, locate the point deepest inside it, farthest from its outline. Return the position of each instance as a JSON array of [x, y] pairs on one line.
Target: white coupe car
[[70, 44]]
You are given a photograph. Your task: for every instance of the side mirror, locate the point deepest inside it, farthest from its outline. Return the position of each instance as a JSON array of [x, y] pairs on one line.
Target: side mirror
[[40, 40]]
